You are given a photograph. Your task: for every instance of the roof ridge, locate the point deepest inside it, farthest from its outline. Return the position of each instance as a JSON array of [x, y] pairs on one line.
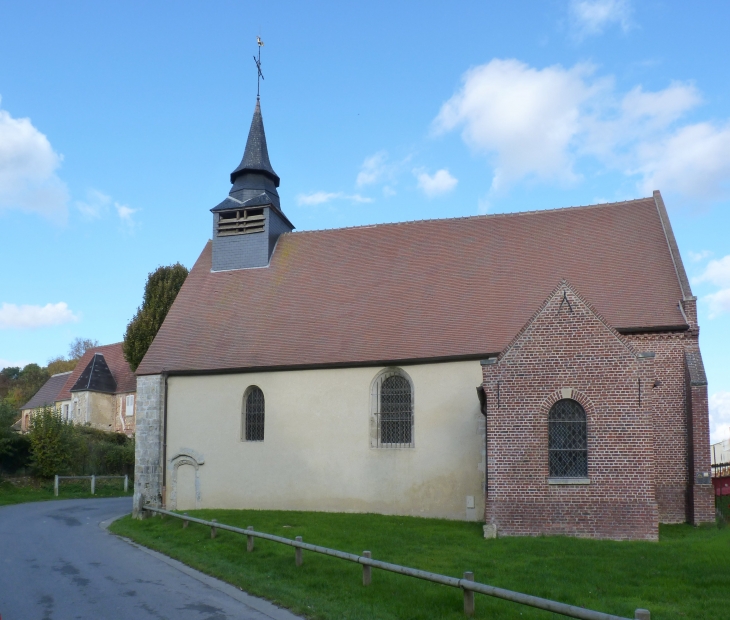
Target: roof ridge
[[600, 205], [58, 374]]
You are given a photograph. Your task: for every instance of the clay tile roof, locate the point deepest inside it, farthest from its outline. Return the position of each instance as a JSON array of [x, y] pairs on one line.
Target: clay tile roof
[[428, 290], [48, 393], [121, 372]]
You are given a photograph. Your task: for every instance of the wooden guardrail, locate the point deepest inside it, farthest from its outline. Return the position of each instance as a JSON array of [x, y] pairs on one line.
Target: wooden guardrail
[[93, 482], [467, 583]]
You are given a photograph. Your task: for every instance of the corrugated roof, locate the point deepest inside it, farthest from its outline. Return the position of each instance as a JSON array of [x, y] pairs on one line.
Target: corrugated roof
[[426, 290], [114, 358], [48, 393]]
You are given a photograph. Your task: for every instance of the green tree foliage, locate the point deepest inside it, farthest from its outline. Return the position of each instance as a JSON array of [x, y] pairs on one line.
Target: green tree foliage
[[59, 364], [160, 291], [52, 442], [27, 382], [14, 447]]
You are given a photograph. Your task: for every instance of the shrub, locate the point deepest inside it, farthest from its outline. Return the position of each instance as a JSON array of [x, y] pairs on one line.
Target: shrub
[[52, 442]]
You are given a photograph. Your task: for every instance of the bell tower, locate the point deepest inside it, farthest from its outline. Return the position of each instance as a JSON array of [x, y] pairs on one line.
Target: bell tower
[[247, 224]]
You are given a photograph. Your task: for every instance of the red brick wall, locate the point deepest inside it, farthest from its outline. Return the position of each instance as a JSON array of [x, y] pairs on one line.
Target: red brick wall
[[575, 349], [670, 422]]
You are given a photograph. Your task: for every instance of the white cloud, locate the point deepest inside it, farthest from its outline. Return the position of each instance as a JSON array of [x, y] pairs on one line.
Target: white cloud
[[441, 182], [125, 213], [318, 198], [719, 416], [540, 123], [694, 160], [697, 257], [591, 17], [96, 204], [13, 316], [717, 272], [373, 169], [28, 165], [525, 118]]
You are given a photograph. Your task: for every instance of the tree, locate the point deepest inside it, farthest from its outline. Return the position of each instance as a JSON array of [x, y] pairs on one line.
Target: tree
[[27, 383], [8, 416], [160, 291], [59, 364], [52, 442], [79, 346]]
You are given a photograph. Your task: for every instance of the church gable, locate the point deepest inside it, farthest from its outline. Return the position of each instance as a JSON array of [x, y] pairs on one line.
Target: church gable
[[571, 374]]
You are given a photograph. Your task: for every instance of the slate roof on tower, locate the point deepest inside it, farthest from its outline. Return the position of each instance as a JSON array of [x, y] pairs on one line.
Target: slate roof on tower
[[421, 291], [96, 377], [256, 155], [118, 366]]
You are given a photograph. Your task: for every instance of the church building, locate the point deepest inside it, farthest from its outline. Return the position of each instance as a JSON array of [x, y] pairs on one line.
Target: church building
[[539, 372]]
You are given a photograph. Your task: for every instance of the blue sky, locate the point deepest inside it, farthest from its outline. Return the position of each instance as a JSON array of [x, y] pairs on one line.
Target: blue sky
[[121, 121]]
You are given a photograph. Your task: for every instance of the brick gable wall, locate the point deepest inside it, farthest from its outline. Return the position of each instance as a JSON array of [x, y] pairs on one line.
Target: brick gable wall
[[570, 351]]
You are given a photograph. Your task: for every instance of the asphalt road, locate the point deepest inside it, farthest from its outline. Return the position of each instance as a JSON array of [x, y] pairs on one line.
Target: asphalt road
[[58, 563]]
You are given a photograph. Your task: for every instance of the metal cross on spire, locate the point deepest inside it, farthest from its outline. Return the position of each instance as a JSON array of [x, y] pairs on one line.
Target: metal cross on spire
[[258, 66]]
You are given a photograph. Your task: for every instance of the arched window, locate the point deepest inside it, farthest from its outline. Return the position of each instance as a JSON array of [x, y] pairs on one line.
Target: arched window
[[253, 414], [393, 396], [568, 440]]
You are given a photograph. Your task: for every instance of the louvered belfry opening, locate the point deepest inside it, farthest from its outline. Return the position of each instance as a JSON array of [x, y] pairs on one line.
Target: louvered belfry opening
[[241, 222], [254, 415], [395, 412], [568, 440]]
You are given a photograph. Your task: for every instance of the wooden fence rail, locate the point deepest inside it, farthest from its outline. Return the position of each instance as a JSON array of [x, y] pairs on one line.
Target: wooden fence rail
[[466, 584], [93, 482]]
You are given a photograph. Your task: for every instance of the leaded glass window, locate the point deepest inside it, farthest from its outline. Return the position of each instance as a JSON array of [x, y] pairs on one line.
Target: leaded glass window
[[568, 440], [393, 410], [254, 415]]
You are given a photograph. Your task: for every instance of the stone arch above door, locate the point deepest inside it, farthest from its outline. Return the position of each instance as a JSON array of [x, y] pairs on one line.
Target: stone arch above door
[[185, 456]]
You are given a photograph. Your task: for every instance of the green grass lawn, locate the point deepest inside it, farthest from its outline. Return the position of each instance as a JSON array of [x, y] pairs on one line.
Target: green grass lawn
[[685, 575], [20, 490]]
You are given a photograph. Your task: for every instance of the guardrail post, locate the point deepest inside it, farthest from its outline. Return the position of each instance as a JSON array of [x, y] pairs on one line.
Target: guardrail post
[[185, 521], [212, 529], [298, 552], [126, 483], [93, 485], [55, 486], [366, 570], [249, 540], [642, 614], [469, 595]]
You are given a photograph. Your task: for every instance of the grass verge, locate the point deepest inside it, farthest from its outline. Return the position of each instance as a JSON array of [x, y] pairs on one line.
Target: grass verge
[[685, 575], [27, 489]]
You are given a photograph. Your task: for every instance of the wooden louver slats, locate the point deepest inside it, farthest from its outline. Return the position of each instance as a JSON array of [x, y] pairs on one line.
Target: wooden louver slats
[[241, 222]]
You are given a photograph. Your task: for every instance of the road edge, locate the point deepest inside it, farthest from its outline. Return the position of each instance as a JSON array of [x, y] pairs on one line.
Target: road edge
[[261, 605]]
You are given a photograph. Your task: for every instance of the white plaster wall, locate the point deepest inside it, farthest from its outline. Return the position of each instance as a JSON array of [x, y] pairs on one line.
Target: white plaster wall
[[316, 454]]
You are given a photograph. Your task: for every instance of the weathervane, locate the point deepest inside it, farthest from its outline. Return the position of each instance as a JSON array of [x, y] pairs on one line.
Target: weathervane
[[258, 66]]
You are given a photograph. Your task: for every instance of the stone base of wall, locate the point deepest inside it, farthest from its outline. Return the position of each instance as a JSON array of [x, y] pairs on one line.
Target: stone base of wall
[[148, 443]]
